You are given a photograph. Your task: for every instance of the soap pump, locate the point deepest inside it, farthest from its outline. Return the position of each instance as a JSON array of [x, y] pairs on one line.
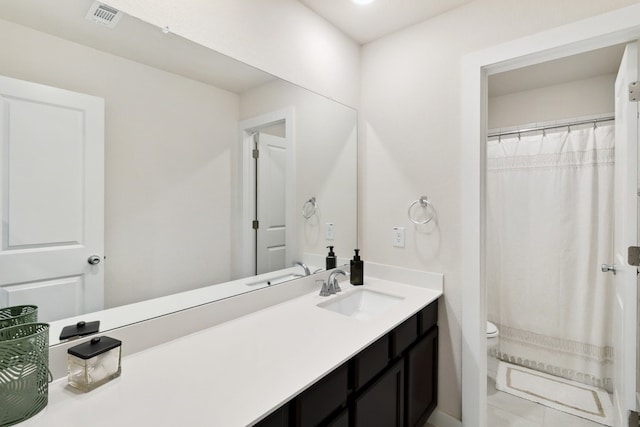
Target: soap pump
[[357, 269], [330, 261]]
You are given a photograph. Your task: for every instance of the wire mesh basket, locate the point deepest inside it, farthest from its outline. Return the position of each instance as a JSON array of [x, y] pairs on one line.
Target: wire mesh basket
[[24, 371], [19, 314]]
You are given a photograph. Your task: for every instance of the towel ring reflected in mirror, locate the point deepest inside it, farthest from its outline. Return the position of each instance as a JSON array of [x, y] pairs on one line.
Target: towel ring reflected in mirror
[[309, 208], [425, 204]]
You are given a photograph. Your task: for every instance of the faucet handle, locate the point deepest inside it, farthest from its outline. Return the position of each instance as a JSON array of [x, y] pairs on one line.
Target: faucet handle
[[324, 291]]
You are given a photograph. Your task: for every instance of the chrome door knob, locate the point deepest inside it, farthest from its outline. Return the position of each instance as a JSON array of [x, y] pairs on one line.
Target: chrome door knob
[[93, 260], [606, 268]]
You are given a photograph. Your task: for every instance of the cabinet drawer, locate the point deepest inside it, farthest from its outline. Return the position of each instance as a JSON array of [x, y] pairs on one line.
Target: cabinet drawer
[[279, 418], [370, 361], [428, 317], [404, 335], [322, 399]]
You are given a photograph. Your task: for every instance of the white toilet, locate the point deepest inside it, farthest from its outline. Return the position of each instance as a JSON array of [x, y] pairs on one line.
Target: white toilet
[[492, 351], [492, 336]]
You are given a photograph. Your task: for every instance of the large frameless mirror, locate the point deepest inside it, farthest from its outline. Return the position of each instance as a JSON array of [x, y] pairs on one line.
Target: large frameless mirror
[[218, 178]]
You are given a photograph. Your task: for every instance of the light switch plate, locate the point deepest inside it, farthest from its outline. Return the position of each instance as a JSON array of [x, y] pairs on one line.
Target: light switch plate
[[634, 256], [329, 233], [398, 237]]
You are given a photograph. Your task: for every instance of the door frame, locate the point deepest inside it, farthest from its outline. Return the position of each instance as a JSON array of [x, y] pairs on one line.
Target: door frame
[[245, 252], [616, 27]]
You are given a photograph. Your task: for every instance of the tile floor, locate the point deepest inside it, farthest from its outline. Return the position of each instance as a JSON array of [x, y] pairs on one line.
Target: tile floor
[[507, 410]]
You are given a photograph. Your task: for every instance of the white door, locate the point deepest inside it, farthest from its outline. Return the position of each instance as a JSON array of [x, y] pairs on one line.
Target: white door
[[51, 199], [271, 248], [625, 235]]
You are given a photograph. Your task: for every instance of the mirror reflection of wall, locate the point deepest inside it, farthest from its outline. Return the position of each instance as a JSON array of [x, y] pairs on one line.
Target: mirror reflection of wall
[[171, 146], [325, 164]]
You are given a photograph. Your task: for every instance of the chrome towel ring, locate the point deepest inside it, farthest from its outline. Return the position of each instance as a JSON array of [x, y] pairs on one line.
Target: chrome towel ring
[[309, 208], [424, 203]]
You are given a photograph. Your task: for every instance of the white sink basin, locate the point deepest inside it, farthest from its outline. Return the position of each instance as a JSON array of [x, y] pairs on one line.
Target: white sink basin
[[361, 304]]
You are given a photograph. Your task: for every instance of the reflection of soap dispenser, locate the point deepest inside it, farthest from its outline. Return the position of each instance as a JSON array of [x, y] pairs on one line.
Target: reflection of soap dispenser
[[357, 269], [331, 259]]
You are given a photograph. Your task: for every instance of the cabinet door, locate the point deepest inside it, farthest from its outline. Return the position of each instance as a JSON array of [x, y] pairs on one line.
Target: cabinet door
[[341, 420], [382, 404], [422, 379]]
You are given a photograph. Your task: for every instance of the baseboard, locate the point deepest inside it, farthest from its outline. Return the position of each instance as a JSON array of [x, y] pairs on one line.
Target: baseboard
[[440, 419]]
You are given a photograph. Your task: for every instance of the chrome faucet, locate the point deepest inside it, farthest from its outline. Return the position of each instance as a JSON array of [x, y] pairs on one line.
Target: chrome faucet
[[332, 281], [307, 272]]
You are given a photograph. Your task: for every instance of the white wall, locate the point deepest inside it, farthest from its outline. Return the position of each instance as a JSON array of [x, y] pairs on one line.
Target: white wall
[[580, 98], [167, 148], [282, 37], [410, 142], [326, 155]]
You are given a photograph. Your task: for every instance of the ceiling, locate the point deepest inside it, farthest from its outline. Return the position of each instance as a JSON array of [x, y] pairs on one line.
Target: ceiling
[[135, 40], [365, 23]]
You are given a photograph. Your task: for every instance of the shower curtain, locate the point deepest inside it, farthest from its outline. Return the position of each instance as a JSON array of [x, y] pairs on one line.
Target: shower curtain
[[549, 228]]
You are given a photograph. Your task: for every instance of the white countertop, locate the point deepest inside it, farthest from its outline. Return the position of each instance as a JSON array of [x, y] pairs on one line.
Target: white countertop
[[233, 374]]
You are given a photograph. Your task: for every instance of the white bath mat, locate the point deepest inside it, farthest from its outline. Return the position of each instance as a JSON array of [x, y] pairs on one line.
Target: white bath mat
[[558, 393]]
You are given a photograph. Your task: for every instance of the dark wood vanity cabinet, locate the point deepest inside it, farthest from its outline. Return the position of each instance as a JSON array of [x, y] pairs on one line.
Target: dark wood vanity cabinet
[[404, 394], [391, 383]]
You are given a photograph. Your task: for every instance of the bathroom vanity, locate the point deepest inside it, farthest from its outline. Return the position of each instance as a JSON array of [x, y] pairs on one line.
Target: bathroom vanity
[[304, 361], [392, 382]]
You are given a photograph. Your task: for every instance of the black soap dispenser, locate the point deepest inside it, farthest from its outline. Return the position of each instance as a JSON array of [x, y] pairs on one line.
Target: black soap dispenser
[[357, 270], [330, 261]]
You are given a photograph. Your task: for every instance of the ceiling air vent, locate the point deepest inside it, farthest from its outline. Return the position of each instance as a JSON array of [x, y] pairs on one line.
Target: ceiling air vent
[[103, 14]]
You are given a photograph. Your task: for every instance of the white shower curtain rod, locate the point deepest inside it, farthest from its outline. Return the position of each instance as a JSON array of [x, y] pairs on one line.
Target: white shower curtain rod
[[556, 126]]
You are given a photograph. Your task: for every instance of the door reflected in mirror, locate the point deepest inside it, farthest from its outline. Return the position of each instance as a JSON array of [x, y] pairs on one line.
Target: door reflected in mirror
[[271, 225]]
